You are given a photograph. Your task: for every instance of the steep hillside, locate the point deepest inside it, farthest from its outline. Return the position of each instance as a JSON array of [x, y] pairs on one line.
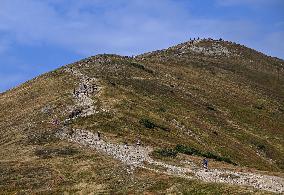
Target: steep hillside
[[203, 98]]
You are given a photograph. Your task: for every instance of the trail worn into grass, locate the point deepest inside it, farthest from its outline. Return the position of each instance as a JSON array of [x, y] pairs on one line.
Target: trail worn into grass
[[138, 156], [84, 104]]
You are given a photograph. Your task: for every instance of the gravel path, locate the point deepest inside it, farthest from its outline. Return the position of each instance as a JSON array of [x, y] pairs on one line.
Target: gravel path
[[138, 156], [263, 182], [87, 87]]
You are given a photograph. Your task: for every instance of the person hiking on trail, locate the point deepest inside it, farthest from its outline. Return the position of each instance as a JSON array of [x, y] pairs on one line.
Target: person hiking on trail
[[138, 142], [99, 135], [56, 122], [125, 145], [205, 163]]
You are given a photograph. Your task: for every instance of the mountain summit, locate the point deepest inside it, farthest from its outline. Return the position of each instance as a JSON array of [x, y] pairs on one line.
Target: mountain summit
[[143, 124]]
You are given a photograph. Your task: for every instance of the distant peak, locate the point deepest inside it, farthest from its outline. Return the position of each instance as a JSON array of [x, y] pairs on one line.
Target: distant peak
[[207, 47]]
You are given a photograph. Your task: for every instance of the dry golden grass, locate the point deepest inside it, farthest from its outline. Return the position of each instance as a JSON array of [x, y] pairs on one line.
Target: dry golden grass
[[232, 107]]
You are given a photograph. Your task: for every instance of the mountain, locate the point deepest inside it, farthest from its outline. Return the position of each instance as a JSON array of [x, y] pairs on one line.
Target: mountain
[[158, 115]]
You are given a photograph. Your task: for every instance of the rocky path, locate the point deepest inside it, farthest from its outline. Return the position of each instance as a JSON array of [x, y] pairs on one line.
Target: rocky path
[[262, 182], [84, 104], [138, 156], [130, 155]]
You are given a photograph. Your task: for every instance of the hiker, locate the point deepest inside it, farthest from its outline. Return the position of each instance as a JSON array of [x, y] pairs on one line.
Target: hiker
[[94, 87], [56, 122], [205, 163], [85, 86], [125, 145], [138, 142], [99, 135]]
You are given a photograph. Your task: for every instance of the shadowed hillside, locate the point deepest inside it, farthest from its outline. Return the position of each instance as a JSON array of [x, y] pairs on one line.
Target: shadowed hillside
[[203, 98]]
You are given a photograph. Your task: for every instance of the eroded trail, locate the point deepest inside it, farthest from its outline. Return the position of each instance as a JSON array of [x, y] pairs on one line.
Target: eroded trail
[[84, 104], [138, 156]]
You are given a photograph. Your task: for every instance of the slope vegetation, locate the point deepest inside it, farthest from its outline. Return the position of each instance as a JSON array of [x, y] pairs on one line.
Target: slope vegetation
[[202, 98]]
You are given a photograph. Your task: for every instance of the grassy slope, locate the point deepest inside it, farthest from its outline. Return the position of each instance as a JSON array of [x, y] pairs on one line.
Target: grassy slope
[[232, 107]]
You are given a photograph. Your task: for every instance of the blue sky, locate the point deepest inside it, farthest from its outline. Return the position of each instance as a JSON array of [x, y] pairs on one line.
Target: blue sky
[[37, 36]]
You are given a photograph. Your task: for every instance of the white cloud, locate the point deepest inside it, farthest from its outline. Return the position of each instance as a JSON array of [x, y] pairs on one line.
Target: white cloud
[[118, 26], [83, 27], [250, 2], [125, 27]]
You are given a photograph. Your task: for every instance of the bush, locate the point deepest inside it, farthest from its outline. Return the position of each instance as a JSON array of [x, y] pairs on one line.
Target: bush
[[260, 146], [209, 107], [141, 66], [187, 150], [192, 151], [49, 152], [210, 155], [226, 159], [162, 109], [151, 125], [148, 124], [167, 153]]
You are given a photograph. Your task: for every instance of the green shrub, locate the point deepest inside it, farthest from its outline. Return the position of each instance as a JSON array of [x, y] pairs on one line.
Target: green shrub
[[261, 146], [137, 65], [148, 124], [166, 153], [162, 109], [210, 155], [187, 150], [141, 66], [209, 107], [151, 125], [49, 152], [226, 159], [192, 151]]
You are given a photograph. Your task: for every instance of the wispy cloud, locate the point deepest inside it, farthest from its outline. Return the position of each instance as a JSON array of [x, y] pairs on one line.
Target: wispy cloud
[[256, 3], [124, 27], [90, 26], [128, 27]]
